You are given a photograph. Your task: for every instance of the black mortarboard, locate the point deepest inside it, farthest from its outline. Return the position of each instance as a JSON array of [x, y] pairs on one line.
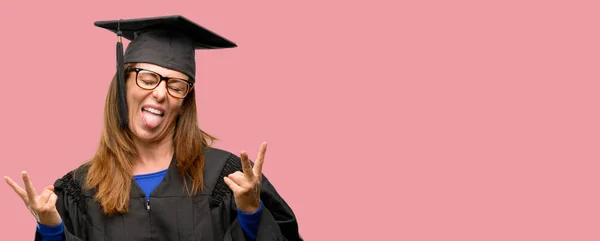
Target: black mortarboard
[[167, 41]]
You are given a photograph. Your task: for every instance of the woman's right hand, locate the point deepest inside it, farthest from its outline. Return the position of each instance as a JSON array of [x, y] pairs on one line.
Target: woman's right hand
[[43, 207]]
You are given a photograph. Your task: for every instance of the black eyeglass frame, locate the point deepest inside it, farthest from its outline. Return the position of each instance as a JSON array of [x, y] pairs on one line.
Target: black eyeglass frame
[[161, 78]]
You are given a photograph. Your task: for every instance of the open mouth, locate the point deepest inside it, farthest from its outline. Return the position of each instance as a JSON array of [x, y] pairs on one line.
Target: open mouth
[[152, 116], [153, 111]]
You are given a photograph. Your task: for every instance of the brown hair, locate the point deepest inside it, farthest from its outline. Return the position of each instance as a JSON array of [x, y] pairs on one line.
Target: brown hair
[[110, 170]]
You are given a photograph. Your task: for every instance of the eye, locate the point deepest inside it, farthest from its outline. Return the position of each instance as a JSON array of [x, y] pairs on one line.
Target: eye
[[147, 78], [174, 88], [178, 86]]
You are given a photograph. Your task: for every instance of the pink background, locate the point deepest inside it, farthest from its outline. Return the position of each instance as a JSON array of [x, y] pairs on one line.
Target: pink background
[[436, 120]]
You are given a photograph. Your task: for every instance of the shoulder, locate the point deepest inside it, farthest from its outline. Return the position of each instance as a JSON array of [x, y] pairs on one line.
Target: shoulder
[[72, 182], [71, 192], [218, 161]]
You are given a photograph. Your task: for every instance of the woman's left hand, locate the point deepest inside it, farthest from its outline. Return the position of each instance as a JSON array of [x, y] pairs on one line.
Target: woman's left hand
[[246, 185]]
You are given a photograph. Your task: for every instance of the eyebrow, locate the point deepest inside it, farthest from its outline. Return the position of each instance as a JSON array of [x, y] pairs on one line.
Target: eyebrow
[[170, 77]]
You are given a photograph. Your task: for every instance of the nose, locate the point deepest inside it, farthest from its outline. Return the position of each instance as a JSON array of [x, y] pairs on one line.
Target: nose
[[160, 92]]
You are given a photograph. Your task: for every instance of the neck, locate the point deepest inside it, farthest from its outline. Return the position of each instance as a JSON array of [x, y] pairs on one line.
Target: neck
[[153, 156]]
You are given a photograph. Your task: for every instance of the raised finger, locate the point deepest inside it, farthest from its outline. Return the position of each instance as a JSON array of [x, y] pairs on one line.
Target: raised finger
[[246, 164], [260, 159], [232, 185], [16, 188], [31, 193]]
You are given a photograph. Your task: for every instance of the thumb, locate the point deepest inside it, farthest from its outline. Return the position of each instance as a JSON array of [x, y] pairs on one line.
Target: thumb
[[50, 187]]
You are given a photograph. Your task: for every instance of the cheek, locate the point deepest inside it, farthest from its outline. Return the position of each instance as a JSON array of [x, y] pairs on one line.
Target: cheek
[[134, 95], [176, 108]]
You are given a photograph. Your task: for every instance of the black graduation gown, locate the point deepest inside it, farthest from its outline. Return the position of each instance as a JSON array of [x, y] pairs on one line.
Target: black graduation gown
[[172, 214]]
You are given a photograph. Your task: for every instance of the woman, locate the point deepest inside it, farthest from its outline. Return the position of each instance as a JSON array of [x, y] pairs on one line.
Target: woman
[[154, 175]]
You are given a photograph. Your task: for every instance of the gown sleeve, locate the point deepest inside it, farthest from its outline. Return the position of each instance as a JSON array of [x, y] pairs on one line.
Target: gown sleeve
[[277, 220], [70, 206]]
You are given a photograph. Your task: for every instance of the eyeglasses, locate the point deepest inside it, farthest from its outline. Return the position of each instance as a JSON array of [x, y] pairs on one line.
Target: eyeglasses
[[149, 80]]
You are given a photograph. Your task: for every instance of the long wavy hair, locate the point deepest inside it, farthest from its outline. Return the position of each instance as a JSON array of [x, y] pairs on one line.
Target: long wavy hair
[[110, 169]]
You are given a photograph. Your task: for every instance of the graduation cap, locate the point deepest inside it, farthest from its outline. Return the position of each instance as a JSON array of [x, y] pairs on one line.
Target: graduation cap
[[167, 41]]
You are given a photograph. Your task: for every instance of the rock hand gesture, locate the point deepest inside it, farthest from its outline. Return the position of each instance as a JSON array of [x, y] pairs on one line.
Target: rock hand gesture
[[43, 206], [246, 185]]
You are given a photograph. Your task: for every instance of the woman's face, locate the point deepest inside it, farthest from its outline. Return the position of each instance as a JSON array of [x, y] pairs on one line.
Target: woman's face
[[152, 113]]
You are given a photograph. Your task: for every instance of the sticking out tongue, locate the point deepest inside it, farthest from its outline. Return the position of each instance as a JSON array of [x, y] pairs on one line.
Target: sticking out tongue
[[150, 119]]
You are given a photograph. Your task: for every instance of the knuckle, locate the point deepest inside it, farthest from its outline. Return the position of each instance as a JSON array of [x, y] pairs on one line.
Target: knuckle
[[35, 209]]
